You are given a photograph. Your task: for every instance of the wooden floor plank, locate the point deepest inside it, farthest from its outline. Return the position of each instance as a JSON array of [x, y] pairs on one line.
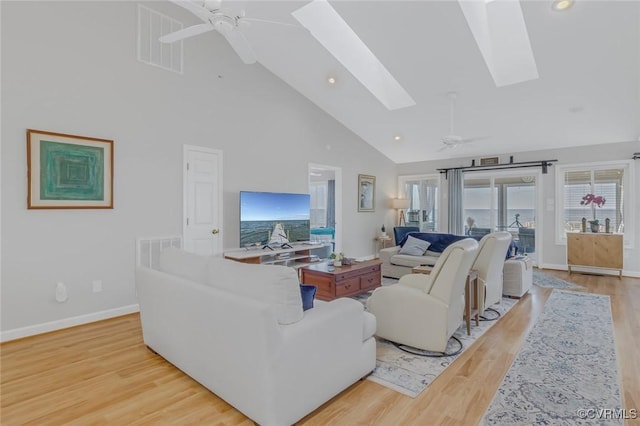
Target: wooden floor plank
[[102, 373]]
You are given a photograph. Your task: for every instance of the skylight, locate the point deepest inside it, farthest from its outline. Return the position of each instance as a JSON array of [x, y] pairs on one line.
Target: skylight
[[328, 27], [501, 35]]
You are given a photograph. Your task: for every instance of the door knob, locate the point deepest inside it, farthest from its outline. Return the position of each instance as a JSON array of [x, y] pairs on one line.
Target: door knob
[[215, 231]]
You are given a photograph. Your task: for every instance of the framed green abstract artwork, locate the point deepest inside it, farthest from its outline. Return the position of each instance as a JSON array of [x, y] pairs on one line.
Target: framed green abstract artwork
[[69, 172]]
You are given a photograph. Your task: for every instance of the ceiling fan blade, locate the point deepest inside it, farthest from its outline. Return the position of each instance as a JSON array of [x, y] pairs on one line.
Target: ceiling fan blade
[[241, 45], [192, 7], [186, 33]]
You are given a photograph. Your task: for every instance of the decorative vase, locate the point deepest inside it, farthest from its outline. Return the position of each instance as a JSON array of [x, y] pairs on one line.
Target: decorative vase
[[584, 225], [607, 225], [337, 263], [595, 227]]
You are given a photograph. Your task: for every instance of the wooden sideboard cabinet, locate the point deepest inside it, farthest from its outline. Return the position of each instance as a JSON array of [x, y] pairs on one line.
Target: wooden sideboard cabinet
[[597, 250]]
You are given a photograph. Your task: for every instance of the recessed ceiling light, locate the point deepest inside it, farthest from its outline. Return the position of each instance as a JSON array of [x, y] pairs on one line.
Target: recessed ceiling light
[[560, 5], [397, 137], [331, 80]]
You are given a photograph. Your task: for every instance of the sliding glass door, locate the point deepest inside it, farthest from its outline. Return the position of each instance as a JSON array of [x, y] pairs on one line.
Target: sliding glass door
[[502, 201]]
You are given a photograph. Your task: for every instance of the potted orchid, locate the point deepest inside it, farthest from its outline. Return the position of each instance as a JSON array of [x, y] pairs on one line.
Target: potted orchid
[[593, 201]]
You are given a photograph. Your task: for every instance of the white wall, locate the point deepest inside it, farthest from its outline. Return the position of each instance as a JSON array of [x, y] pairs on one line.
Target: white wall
[[71, 67], [554, 254]]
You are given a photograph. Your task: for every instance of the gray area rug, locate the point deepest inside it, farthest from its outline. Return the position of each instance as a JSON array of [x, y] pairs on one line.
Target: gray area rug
[[411, 374], [546, 280], [566, 367]]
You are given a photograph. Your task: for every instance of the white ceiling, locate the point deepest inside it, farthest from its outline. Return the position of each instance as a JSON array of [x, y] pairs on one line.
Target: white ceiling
[[588, 59]]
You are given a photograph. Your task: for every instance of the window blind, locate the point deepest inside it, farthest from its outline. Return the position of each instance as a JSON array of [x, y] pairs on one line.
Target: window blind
[[606, 183]]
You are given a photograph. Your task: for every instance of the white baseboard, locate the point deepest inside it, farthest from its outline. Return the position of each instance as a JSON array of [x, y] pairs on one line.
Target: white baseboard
[[18, 333], [553, 266], [597, 271]]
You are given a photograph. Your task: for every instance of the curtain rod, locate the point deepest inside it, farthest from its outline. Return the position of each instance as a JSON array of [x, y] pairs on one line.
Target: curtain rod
[[543, 163]]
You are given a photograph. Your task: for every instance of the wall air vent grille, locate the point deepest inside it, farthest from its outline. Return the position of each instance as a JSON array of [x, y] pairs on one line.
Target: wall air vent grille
[[489, 161], [148, 249], [151, 26]]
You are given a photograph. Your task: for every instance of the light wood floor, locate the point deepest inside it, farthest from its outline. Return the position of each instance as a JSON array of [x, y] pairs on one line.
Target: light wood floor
[[102, 373]]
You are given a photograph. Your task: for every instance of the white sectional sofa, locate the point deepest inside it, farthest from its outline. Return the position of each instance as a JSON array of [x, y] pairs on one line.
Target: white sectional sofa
[[240, 331]]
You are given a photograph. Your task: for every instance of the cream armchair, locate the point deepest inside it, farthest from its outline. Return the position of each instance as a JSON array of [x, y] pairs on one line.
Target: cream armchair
[[489, 263], [423, 311]]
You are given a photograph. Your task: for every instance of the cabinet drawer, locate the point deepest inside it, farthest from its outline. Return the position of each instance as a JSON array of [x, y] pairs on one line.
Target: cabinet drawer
[[370, 269], [357, 273], [370, 280], [324, 285], [347, 287]]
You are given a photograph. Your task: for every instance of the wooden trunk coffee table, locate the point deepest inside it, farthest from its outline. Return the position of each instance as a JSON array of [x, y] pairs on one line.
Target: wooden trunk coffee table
[[342, 281]]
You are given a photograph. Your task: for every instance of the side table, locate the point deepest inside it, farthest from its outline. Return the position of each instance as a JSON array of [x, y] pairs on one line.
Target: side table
[[381, 242]]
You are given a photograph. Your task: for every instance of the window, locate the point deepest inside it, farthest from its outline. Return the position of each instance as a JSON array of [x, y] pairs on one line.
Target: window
[[422, 193], [480, 202], [503, 201], [595, 192]]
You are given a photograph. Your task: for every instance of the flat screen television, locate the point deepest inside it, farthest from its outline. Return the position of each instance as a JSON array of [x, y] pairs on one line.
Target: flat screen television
[[260, 211]]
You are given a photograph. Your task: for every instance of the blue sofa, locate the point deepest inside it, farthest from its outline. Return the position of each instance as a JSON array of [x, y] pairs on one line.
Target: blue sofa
[[395, 264]]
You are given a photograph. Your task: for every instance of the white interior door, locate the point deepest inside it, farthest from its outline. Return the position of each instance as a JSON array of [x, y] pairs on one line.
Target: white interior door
[[202, 232]]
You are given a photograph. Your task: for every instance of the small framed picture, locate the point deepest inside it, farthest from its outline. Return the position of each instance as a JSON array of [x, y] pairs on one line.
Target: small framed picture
[[68, 171], [366, 193]]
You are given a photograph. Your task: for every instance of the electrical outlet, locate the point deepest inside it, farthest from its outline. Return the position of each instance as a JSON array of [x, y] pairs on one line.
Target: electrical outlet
[[96, 286]]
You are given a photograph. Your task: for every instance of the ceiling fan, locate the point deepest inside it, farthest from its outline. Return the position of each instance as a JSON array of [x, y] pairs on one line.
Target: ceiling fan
[[452, 140], [219, 19]]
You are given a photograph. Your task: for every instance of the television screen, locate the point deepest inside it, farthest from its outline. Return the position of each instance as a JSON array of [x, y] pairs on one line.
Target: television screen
[[261, 211]]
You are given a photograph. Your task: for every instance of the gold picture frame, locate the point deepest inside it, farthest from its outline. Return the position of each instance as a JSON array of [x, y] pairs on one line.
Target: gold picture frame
[[68, 171], [366, 193]]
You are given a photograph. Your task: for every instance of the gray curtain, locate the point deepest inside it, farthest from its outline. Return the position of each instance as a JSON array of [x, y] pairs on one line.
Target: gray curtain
[[454, 181], [331, 203]]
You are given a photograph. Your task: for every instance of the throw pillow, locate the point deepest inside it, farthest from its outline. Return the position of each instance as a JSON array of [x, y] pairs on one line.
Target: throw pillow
[[308, 292], [414, 246]]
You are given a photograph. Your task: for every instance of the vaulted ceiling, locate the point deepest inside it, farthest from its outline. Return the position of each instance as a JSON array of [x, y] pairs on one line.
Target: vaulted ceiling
[[587, 58]]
